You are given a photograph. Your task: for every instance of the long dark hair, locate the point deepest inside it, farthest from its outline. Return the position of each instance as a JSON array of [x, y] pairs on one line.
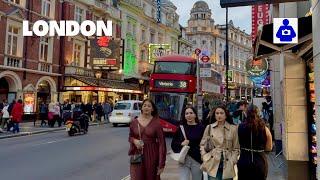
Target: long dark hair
[[253, 120], [183, 115], [154, 113], [213, 115]]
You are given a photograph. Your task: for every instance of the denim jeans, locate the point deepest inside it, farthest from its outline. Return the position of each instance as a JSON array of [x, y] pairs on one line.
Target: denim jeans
[[106, 118], [192, 167], [16, 128]]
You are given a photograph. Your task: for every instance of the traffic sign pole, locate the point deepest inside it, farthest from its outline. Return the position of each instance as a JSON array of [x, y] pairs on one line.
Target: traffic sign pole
[[199, 106]]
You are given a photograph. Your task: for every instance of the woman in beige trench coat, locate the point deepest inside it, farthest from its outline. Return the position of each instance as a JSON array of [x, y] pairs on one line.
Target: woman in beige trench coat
[[220, 146]]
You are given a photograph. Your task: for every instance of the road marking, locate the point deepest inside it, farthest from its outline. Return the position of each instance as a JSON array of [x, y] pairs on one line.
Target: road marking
[[50, 142], [126, 178]]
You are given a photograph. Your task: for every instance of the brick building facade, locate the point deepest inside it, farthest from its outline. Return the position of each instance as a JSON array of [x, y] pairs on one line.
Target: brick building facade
[[55, 68], [29, 66]]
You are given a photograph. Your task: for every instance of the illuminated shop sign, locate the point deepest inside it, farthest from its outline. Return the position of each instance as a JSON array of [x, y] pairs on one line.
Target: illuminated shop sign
[[92, 88], [158, 50], [170, 84], [257, 67]]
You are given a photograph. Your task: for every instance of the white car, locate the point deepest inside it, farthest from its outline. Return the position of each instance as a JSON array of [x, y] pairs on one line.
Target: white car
[[125, 111]]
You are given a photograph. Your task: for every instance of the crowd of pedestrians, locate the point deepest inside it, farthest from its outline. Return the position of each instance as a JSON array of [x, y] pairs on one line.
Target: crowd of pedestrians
[[50, 114], [224, 139]]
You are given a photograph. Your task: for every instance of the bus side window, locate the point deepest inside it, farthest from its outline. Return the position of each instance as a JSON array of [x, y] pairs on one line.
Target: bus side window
[[140, 106], [135, 106]]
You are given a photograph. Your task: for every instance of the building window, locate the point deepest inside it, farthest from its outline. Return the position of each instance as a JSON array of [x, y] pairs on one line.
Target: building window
[[194, 29], [194, 42], [204, 42], [129, 27], [203, 16], [143, 35], [45, 8], [44, 47], [79, 14], [134, 30], [152, 38], [77, 54], [142, 55], [13, 35]]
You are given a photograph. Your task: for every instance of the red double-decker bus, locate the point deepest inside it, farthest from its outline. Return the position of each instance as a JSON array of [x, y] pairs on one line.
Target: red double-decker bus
[[172, 86]]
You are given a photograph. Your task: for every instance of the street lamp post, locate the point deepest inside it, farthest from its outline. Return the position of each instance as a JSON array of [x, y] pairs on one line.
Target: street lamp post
[[227, 56], [98, 75]]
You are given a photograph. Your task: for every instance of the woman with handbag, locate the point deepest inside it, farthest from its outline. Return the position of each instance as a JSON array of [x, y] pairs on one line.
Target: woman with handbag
[[220, 146], [147, 144], [254, 138], [189, 134]]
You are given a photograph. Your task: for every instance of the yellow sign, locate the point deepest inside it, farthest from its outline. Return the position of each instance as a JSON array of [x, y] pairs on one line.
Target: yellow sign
[[158, 50]]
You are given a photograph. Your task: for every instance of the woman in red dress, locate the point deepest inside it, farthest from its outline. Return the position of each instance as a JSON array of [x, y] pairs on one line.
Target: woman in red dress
[[152, 144]]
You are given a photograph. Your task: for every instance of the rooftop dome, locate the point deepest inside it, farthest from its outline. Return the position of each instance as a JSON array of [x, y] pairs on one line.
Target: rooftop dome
[[200, 6]]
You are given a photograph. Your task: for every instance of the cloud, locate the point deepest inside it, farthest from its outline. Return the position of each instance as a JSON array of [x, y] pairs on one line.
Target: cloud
[[241, 16]]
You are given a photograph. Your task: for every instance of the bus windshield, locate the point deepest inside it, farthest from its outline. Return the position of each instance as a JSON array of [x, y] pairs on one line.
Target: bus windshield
[[173, 68], [169, 105]]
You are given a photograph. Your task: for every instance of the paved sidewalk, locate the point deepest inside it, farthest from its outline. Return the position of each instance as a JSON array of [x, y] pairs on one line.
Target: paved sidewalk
[[27, 128], [277, 168]]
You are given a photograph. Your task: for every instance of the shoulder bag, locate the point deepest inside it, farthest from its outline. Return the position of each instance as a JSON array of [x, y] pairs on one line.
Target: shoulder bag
[[137, 158], [209, 145], [180, 157]]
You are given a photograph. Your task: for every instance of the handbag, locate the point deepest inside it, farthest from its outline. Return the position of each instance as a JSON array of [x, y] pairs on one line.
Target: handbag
[[208, 144], [137, 158], [181, 157]]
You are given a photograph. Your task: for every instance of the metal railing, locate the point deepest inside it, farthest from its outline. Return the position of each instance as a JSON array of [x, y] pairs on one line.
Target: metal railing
[[13, 61], [46, 67]]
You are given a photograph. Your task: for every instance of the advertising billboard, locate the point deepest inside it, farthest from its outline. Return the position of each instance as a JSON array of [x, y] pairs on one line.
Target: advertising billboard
[[106, 53], [235, 3], [260, 17]]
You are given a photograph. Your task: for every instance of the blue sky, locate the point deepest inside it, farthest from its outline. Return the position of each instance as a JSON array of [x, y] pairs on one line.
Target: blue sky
[[241, 16]]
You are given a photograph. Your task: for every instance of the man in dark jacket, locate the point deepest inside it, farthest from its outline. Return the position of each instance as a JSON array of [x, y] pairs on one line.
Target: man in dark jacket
[[99, 111], [205, 113], [241, 114]]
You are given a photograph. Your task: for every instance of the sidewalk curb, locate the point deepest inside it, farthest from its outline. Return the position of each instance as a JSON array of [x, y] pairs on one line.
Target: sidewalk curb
[[41, 131]]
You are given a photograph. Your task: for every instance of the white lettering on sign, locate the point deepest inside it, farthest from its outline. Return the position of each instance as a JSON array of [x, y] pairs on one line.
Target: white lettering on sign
[[165, 83], [67, 28], [183, 84]]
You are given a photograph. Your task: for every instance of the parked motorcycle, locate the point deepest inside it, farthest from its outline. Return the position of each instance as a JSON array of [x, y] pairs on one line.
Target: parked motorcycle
[[78, 125]]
